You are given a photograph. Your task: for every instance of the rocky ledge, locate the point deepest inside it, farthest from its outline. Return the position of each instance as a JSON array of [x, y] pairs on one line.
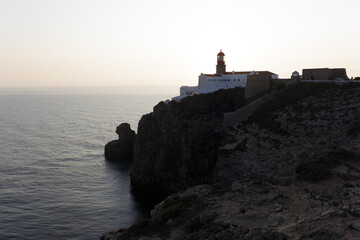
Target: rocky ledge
[[291, 171]]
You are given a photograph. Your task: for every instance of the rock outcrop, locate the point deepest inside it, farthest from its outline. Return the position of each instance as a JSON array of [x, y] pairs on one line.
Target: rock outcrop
[[122, 148]]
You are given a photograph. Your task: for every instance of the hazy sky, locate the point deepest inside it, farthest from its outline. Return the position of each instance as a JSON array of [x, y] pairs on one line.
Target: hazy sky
[[158, 42]]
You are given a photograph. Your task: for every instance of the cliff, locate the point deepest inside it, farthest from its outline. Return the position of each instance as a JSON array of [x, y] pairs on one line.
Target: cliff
[[177, 144], [290, 171]]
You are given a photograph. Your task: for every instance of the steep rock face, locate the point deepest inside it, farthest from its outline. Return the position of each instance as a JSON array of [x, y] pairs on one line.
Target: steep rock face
[[122, 148], [177, 143]]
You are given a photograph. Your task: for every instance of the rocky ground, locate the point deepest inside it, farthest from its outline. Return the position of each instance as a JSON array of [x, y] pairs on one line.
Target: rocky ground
[[290, 130], [290, 172], [259, 210]]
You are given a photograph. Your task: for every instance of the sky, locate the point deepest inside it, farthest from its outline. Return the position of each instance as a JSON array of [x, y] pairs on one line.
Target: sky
[[64, 43]]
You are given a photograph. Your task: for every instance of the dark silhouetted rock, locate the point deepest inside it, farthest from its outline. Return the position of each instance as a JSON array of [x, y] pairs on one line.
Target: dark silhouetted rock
[[177, 144], [121, 149]]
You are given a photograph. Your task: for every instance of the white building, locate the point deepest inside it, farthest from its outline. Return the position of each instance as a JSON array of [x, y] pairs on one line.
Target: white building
[[209, 83]]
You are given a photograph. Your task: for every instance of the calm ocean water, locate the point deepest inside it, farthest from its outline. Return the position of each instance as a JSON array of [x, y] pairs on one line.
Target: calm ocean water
[[54, 181]]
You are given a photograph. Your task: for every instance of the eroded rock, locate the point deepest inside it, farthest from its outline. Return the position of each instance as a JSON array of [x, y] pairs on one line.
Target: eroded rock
[[122, 148]]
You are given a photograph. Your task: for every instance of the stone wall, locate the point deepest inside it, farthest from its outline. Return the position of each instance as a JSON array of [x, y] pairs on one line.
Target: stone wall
[[281, 81], [324, 73], [338, 73], [242, 114], [256, 84]]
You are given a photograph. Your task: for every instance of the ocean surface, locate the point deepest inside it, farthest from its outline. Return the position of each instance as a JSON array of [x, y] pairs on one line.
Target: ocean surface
[[54, 180]]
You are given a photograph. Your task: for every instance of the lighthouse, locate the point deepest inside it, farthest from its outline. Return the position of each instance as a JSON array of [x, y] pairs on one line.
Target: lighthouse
[[220, 67], [209, 83]]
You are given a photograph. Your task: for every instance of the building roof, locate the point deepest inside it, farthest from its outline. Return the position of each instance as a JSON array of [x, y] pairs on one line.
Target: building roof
[[322, 68], [213, 75], [235, 73]]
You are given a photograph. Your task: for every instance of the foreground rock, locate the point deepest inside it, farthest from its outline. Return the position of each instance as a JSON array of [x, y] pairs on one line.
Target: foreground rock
[[121, 149], [326, 210], [258, 210]]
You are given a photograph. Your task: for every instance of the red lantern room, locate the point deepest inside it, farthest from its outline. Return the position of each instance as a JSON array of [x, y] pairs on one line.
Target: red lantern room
[[220, 67], [221, 58]]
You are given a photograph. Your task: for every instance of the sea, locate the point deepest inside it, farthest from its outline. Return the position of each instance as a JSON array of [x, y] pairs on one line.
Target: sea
[[54, 180]]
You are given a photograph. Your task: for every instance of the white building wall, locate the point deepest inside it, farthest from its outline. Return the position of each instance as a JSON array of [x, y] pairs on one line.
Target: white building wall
[[208, 84], [186, 91], [212, 83]]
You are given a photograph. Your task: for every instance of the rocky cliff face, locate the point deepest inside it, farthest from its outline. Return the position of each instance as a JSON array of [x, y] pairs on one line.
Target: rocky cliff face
[[291, 171], [177, 144]]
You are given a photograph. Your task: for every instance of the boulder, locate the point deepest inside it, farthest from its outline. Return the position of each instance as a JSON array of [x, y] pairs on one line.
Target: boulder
[[122, 148]]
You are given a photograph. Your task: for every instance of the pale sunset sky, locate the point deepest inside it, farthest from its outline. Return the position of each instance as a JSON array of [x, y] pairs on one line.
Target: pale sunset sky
[[58, 43]]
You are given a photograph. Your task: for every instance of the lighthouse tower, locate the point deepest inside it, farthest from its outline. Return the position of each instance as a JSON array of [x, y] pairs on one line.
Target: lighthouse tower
[[220, 67]]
